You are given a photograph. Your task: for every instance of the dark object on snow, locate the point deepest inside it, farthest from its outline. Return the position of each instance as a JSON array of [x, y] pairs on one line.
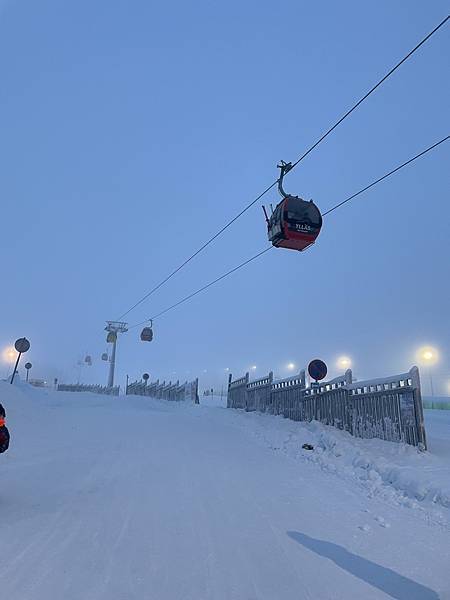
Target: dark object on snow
[[4, 433], [307, 447]]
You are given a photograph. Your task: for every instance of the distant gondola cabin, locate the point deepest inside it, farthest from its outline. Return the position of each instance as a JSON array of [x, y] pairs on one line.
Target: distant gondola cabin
[[147, 334]]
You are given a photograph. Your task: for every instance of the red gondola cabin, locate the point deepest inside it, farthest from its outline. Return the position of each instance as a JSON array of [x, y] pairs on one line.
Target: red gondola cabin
[[295, 223]]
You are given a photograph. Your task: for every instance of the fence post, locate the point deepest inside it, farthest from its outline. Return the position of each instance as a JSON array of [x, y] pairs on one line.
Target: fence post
[[415, 377], [247, 379], [230, 378], [303, 377]]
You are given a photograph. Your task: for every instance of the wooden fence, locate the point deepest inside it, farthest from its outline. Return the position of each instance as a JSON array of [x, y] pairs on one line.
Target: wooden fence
[[389, 408], [95, 389], [187, 391]]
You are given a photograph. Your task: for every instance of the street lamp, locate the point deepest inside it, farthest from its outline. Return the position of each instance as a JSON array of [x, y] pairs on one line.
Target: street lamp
[[428, 356], [344, 362], [9, 354]]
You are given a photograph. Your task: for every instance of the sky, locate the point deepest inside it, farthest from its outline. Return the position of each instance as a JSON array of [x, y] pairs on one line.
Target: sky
[[132, 131]]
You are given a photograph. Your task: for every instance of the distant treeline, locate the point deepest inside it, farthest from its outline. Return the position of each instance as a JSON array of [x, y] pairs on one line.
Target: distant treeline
[[437, 403]]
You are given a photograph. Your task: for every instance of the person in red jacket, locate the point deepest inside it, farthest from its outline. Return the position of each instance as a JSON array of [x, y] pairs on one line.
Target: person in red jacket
[[4, 433]]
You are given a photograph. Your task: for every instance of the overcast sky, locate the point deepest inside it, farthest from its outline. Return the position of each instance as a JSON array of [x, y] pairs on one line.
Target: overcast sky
[[131, 131]]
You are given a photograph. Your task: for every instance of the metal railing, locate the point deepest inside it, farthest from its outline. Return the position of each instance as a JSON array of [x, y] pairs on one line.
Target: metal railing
[[187, 391], [95, 389], [389, 408]]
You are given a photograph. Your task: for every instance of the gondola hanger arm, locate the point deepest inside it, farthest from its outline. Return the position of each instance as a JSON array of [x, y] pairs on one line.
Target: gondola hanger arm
[[285, 168]]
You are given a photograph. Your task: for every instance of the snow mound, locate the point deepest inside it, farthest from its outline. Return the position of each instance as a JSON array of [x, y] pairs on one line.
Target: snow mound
[[397, 472]]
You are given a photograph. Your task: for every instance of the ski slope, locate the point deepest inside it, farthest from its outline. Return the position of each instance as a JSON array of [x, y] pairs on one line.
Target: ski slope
[[129, 498]]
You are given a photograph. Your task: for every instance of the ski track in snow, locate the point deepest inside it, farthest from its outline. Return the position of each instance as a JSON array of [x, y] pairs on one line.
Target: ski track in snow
[[137, 499]]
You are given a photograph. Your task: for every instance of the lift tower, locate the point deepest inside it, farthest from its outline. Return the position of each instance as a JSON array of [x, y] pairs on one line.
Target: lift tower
[[113, 328]]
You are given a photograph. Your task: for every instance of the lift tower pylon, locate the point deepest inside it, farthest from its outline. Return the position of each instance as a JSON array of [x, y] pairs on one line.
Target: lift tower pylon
[[113, 328]]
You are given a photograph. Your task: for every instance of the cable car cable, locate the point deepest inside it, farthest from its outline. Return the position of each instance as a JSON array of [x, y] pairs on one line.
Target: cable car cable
[[205, 287], [327, 212], [325, 135], [382, 80], [249, 260], [161, 283]]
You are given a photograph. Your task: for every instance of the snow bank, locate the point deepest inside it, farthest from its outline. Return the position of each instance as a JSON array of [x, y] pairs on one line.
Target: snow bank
[[396, 472]]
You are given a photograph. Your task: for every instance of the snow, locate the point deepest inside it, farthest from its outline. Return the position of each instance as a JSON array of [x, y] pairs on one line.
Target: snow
[[397, 472], [129, 498], [437, 423]]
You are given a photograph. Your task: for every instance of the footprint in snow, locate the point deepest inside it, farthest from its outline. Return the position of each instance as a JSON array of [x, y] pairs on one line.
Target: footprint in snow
[[382, 522]]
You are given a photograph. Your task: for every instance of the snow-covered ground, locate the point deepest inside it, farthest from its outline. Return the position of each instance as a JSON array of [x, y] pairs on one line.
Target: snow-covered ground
[[136, 499], [397, 472]]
